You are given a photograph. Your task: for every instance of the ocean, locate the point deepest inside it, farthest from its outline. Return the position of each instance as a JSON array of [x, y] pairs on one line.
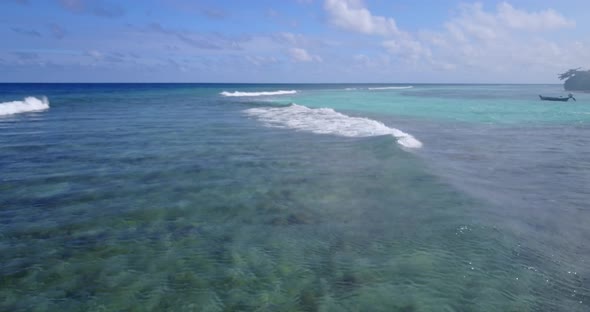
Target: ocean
[[302, 197]]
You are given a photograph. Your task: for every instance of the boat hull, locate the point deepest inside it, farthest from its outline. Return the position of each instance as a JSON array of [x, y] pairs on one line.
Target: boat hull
[[556, 99]]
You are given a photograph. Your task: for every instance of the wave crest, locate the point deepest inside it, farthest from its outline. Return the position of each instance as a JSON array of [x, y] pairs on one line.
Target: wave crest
[[327, 121], [263, 93], [29, 104]]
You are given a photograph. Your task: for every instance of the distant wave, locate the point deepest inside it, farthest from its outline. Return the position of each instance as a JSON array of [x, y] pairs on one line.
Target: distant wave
[[29, 104], [392, 88], [238, 93], [327, 121]]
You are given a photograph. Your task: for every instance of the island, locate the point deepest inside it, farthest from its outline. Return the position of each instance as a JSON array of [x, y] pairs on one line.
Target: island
[[576, 80]]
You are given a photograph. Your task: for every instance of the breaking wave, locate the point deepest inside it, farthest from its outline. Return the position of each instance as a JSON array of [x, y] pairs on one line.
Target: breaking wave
[[392, 88], [238, 93], [29, 104], [327, 121]]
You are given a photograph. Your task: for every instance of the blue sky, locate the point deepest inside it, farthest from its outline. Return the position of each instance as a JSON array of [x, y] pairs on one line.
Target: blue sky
[[518, 41]]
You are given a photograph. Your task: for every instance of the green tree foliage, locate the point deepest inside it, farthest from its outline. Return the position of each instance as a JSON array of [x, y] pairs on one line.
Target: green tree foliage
[[576, 79]]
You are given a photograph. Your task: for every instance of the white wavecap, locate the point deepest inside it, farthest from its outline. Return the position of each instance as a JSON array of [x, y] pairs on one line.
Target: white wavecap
[[392, 88], [29, 104], [238, 93], [327, 121]]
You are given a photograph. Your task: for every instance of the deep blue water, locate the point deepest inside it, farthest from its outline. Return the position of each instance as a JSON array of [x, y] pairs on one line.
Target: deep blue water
[[172, 197]]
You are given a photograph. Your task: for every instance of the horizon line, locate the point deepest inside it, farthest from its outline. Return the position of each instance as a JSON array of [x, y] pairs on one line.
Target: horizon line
[[290, 83]]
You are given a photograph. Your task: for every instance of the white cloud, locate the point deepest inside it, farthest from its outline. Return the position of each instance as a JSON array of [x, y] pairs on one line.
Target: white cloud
[[534, 21], [291, 38], [271, 13], [476, 23], [97, 56], [473, 22], [375, 63], [500, 42], [274, 48], [261, 60], [353, 16], [301, 55], [474, 37], [407, 48]]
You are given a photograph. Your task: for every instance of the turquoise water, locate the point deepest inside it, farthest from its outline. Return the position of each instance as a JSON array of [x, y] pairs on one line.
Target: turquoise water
[[177, 198], [493, 104]]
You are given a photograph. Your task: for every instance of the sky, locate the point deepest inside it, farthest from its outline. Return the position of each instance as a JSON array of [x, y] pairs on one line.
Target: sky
[[293, 41]]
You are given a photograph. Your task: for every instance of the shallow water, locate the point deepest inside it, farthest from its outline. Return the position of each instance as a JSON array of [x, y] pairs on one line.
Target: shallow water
[[173, 197]]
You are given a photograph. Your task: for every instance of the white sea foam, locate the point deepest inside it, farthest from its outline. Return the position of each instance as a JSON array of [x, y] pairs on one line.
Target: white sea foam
[[392, 88], [263, 93], [327, 121], [29, 104]]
